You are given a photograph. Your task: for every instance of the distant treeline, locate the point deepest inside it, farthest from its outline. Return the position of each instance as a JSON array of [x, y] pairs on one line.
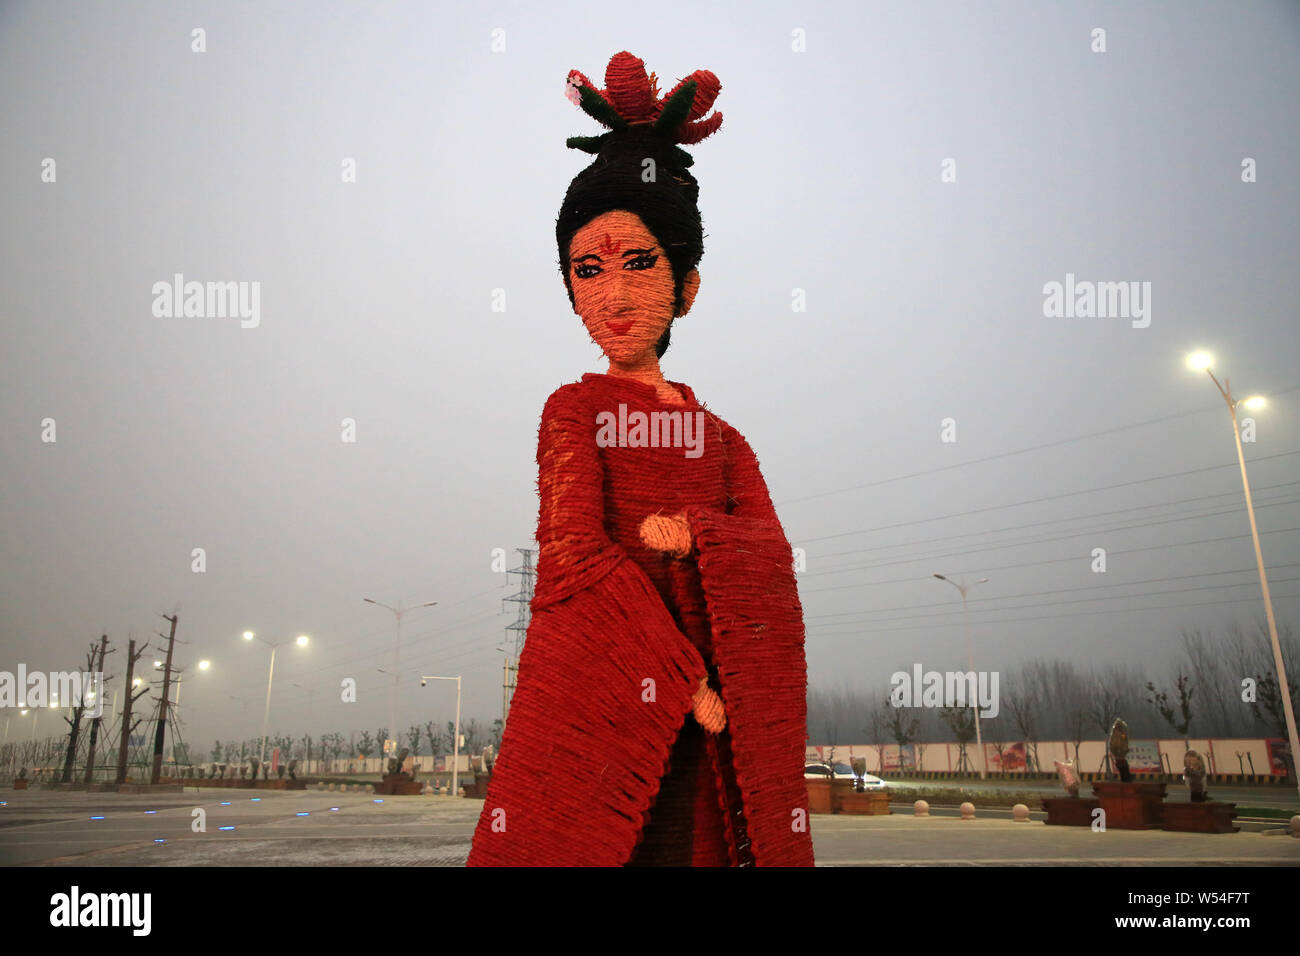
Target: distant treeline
[[1204, 692]]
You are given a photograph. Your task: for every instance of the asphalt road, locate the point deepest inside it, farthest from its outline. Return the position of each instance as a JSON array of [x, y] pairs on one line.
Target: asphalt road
[[51, 828]]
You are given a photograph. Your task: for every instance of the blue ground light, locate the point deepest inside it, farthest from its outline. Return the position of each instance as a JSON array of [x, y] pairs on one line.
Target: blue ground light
[[225, 803], [225, 828], [96, 818], [302, 813]]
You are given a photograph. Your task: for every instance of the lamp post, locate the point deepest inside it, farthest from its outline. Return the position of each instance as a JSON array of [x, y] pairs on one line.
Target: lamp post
[[397, 659], [1201, 361], [455, 743], [970, 662], [302, 641]]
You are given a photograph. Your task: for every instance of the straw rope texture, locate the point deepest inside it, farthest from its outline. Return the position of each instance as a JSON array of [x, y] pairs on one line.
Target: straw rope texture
[[602, 762]]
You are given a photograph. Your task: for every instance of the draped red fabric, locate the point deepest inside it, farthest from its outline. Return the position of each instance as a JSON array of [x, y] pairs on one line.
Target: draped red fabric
[[601, 762]]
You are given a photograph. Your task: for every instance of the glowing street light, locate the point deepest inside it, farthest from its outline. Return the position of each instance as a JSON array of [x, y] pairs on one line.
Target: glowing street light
[[1202, 361], [301, 641]]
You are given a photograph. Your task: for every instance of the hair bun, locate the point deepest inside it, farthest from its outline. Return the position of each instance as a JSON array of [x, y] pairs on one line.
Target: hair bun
[[631, 101]]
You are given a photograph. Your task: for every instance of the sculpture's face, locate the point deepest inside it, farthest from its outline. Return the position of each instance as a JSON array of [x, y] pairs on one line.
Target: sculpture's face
[[623, 285]]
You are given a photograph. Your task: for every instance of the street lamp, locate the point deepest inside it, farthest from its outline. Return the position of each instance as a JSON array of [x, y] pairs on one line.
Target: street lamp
[[397, 658], [1202, 361], [970, 661], [302, 641], [455, 743]]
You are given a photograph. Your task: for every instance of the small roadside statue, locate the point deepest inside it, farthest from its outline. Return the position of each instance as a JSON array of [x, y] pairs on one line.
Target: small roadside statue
[[1069, 776], [1119, 750], [1194, 776]]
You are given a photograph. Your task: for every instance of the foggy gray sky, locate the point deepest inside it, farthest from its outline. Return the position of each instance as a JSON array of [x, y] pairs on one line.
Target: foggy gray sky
[[924, 301]]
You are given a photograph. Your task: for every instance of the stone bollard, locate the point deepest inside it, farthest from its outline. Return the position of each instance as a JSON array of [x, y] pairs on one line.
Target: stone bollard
[[921, 808], [1020, 813], [968, 811], [1295, 825]]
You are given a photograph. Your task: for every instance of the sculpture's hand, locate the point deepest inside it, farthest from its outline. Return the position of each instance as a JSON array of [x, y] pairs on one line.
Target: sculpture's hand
[[668, 533], [708, 709]]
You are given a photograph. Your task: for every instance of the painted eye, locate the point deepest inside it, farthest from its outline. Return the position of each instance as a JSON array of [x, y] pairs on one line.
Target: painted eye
[[641, 262], [586, 270]]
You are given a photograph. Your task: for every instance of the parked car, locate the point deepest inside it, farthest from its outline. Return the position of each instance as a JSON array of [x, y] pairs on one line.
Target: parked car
[[841, 771]]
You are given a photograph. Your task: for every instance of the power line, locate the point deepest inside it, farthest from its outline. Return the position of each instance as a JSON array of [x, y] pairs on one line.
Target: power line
[[1093, 587], [1067, 494], [1027, 564], [1112, 597], [1010, 454], [1053, 617], [997, 545]]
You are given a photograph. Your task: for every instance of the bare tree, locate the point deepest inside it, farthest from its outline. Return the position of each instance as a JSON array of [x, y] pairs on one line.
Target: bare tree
[[1069, 698], [77, 709], [1206, 662], [961, 721], [435, 738], [1180, 719], [1022, 699], [902, 727], [1103, 706], [878, 722]]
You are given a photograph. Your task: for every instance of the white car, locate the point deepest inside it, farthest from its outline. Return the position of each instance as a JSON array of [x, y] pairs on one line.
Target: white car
[[841, 771]]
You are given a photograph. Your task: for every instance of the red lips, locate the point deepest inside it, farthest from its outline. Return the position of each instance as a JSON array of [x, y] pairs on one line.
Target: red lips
[[619, 328]]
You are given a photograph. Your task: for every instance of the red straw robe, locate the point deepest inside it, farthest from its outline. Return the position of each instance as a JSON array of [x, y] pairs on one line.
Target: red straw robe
[[601, 761]]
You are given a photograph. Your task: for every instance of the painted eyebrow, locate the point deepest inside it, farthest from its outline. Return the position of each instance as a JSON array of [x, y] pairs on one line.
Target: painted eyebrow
[[588, 256], [638, 252]]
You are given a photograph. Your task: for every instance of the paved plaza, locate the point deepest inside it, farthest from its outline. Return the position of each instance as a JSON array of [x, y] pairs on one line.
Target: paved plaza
[[51, 828]]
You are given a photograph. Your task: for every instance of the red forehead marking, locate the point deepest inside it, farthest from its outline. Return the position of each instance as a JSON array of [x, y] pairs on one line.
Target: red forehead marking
[[610, 247]]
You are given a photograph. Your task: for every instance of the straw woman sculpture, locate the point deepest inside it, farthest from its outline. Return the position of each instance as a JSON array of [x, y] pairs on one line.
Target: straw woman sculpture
[[659, 716]]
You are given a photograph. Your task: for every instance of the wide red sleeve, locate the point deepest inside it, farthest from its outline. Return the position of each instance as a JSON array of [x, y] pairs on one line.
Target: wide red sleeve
[[605, 678], [746, 572]]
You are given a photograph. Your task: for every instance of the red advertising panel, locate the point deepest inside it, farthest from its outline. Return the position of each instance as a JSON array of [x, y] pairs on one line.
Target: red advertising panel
[[1277, 750], [1011, 759]]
